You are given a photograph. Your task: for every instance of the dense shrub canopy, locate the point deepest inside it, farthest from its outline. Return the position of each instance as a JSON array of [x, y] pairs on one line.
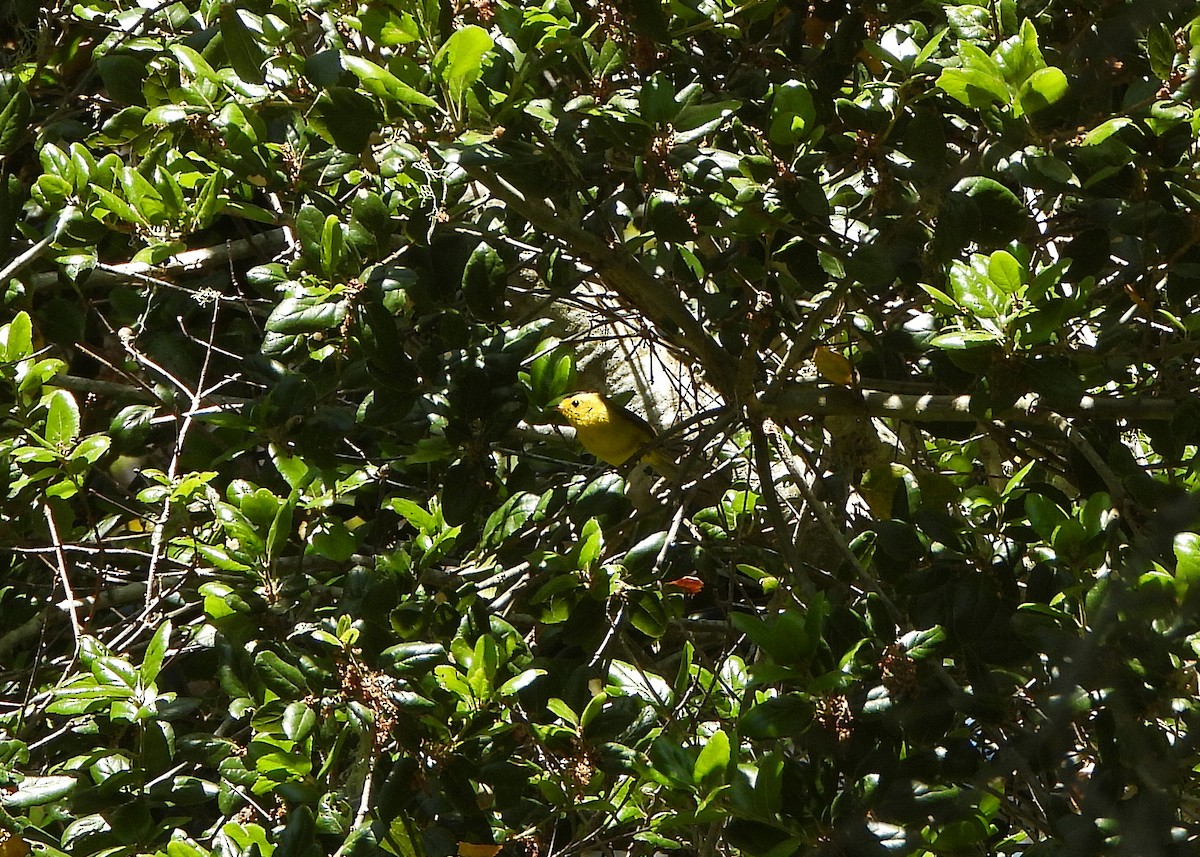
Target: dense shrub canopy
[[295, 561]]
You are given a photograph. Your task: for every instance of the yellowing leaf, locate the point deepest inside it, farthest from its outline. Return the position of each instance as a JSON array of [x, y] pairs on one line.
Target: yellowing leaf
[[472, 849], [834, 367], [12, 845]]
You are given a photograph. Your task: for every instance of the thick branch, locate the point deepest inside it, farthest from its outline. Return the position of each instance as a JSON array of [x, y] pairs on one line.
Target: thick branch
[[23, 633], [261, 245], [827, 400]]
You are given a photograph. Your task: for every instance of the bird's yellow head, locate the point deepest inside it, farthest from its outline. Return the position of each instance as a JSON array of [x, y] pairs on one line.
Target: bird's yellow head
[[584, 408]]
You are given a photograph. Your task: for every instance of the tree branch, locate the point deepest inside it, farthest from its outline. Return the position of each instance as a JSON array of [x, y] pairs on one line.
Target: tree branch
[[821, 400], [263, 244]]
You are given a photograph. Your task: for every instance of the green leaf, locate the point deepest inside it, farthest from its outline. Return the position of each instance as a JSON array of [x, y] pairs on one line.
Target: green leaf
[[334, 541], [519, 682], [591, 544], [298, 721], [208, 201], [172, 196], [370, 223], [979, 82], [83, 695], [306, 315], [930, 48], [670, 762], [484, 283], [52, 191], [713, 761], [696, 121], [156, 650], [282, 765], [124, 125], [279, 675], [1005, 272], [117, 206], [642, 556], [1162, 51], [793, 114], [481, 674], [242, 130], [975, 291], [785, 635], [647, 614], [170, 114], [557, 706], [1067, 538], [280, 532], [592, 710], [1104, 130], [123, 76], [14, 121], [1019, 57], [957, 836], [551, 376], [143, 196], [963, 340], [414, 513], [17, 338], [333, 246], [414, 657], [656, 98], [923, 644], [38, 791], [973, 87], [1045, 87], [86, 168], [1044, 514], [56, 162], [62, 419], [245, 54], [942, 302], [382, 83], [1002, 216], [131, 425], [400, 32], [973, 57], [459, 62], [781, 717], [1187, 558], [195, 65], [971, 22]]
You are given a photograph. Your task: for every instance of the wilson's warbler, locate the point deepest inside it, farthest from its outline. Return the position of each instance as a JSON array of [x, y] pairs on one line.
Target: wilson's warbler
[[610, 432]]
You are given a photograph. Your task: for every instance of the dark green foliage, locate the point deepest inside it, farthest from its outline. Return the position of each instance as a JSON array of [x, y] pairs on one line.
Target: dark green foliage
[[292, 563]]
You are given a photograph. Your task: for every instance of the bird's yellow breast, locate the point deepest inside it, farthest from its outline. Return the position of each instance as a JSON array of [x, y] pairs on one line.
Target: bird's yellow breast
[[607, 431]]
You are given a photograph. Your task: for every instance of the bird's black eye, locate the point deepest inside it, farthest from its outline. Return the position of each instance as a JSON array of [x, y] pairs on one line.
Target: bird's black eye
[[574, 403]]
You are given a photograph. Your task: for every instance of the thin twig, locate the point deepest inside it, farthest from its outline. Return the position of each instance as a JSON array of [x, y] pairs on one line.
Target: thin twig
[[25, 258], [61, 558], [865, 576], [766, 481], [609, 634], [157, 537]]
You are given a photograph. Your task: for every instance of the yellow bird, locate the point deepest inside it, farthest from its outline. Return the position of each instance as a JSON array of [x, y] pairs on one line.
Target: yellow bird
[[610, 432]]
